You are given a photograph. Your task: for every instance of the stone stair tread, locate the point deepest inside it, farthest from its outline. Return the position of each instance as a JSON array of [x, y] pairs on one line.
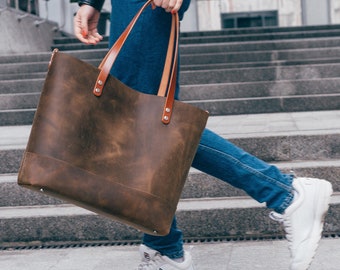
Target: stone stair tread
[[231, 126], [254, 46], [219, 104], [256, 74], [257, 37], [257, 64], [275, 104], [22, 76], [209, 91], [262, 30], [273, 124], [193, 204], [198, 184]]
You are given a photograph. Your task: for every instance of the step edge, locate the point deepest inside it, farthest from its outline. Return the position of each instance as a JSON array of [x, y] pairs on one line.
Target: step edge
[[200, 204]]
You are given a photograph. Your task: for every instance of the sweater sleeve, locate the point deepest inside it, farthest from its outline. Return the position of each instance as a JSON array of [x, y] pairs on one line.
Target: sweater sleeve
[[97, 4]]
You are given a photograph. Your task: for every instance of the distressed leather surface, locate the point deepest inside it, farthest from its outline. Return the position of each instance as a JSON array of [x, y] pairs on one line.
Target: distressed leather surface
[[110, 154]]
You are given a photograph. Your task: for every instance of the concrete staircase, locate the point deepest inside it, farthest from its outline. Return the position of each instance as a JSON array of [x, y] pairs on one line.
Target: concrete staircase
[[274, 92]]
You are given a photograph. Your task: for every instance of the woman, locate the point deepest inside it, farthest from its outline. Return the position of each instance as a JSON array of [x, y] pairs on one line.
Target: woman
[[288, 196]]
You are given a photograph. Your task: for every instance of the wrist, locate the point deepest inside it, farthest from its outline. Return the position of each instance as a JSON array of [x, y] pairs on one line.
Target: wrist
[[97, 4]]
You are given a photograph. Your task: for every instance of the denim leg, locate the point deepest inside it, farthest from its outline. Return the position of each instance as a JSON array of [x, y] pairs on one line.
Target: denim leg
[[220, 158], [170, 245], [263, 182]]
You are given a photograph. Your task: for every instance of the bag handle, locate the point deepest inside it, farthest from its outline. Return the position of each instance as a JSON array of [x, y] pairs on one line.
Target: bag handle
[[167, 86]]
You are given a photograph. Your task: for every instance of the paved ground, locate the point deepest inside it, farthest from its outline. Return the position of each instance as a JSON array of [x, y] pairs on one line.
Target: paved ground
[[264, 255]]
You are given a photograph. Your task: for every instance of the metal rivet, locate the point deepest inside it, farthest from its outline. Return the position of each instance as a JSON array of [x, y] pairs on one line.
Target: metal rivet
[[41, 190], [166, 118], [167, 110], [155, 232], [100, 82], [97, 90]]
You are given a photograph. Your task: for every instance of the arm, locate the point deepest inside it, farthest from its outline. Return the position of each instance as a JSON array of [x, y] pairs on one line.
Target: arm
[[87, 17]]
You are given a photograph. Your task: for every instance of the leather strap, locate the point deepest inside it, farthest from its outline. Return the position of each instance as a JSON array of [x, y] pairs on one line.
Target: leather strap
[[167, 86], [170, 98], [163, 87]]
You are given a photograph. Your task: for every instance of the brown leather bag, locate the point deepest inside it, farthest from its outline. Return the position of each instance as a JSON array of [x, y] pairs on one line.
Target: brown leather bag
[[101, 145]]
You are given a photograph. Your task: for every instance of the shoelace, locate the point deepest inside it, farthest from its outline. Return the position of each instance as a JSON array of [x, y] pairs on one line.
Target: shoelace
[[149, 265]]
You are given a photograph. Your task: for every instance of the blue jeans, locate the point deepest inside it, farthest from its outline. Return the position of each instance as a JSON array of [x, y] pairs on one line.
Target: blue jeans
[[140, 66]]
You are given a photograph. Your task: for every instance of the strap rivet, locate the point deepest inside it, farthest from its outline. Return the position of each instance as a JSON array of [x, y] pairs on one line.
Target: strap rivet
[[167, 110], [97, 90], [100, 82], [166, 118]]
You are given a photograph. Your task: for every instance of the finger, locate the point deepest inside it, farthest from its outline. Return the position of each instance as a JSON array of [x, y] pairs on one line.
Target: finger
[[177, 6], [157, 3], [170, 5], [94, 37], [153, 6], [162, 3]]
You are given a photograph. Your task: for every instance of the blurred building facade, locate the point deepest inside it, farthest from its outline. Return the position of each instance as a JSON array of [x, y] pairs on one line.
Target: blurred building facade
[[206, 15]]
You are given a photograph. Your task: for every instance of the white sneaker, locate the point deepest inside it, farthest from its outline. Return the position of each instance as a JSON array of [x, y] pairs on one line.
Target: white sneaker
[[153, 260], [303, 219]]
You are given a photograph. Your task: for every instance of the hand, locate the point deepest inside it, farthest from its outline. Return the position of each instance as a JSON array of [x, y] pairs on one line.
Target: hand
[[85, 25], [169, 5]]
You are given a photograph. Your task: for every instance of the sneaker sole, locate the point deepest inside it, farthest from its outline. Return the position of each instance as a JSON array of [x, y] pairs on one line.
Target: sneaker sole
[[322, 205]]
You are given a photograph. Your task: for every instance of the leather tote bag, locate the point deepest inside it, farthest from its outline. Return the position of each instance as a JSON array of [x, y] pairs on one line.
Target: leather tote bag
[[105, 147]]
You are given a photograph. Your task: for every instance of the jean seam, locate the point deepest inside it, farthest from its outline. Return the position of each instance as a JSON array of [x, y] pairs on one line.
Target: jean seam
[[250, 169]]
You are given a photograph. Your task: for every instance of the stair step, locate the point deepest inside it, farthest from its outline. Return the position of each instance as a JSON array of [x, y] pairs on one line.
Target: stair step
[[217, 60], [19, 101], [198, 184], [22, 76], [284, 57], [21, 86], [209, 91], [263, 45], [257, 37], [16, 117], [272, 137], [224, 75], [278, 73], [261, 30], [27, 57], [269, 104], [258, 64], [260, 89], [198, 218], [20, 111]]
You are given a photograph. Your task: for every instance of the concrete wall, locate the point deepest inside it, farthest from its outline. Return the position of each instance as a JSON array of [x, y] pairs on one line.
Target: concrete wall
[[335, 11], [24, 33]]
